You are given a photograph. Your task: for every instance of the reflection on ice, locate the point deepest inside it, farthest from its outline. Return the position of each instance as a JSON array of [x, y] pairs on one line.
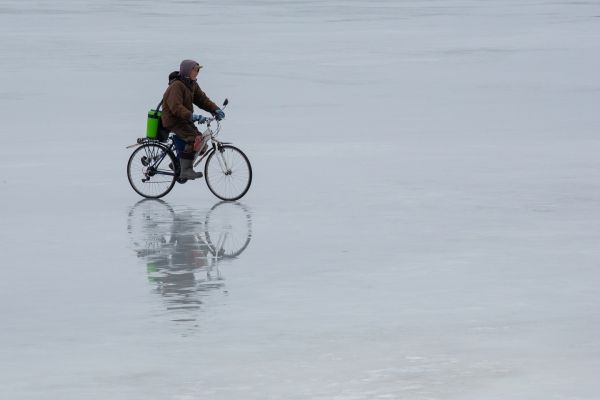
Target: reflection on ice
[[182, 248]]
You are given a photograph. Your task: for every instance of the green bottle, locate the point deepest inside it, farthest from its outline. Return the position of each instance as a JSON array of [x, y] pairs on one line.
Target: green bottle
[[152, 125]]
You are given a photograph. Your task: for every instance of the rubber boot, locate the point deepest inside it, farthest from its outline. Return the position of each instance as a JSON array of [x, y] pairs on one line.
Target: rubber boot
[[187, 170]]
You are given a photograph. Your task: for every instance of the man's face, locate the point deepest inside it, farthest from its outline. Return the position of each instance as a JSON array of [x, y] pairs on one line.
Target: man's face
[[194, 73]]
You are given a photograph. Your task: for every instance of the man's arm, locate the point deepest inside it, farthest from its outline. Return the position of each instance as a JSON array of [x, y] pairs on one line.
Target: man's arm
[[202, 100]]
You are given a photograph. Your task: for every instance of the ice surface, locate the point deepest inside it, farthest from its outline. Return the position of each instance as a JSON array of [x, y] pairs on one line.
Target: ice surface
[[423, 221]]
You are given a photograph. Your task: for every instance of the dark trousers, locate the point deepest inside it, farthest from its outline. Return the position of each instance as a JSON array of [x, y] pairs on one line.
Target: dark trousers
[[186, 132]]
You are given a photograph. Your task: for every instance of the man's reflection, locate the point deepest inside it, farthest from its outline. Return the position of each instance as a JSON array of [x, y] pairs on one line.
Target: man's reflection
[[183, 247]]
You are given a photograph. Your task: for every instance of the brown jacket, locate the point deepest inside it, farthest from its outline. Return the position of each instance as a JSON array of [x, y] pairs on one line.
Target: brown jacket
[[178, 100]]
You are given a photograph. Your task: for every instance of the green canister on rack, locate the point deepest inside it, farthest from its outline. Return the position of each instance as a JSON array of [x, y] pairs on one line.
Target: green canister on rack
[[152, 124]]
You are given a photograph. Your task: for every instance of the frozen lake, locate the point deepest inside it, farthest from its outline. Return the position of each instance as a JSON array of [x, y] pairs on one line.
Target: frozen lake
[[422, 224]]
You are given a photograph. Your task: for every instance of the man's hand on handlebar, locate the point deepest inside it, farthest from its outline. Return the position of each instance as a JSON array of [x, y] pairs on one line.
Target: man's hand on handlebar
[[219, 114]]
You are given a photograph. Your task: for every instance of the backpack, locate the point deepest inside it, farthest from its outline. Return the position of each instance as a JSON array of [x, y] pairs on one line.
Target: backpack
[[154, 127]]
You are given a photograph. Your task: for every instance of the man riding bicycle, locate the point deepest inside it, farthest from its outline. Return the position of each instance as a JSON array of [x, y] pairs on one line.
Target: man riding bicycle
[[178, 113]]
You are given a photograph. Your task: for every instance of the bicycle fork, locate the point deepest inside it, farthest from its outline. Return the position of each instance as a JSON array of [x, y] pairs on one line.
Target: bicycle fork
[[223, 162], [225, 168]]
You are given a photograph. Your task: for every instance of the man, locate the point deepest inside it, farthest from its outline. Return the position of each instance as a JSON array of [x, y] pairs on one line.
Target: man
[[178, 113]]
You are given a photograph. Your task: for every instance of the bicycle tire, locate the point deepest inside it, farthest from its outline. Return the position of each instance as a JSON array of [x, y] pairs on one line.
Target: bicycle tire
[[140, 175], [228, 185]]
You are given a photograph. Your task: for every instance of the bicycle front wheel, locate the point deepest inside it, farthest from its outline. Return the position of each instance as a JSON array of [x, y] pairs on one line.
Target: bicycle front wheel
[[149, 170], [228, 173]]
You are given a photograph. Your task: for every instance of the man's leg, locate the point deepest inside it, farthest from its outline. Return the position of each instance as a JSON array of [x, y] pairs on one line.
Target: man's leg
[[187, 132]]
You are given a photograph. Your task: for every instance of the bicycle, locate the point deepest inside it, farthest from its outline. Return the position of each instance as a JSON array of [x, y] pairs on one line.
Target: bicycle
[[153, 168]]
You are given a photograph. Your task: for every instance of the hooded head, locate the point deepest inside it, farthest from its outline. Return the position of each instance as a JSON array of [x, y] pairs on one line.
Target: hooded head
[[186, 67]]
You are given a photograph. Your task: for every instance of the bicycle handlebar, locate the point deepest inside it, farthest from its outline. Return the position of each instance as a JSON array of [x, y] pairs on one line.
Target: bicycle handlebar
[[213, 118], [209, 120]]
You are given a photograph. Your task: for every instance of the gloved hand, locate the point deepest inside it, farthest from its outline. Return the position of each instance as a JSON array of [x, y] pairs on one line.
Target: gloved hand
[[198, 118], [219, 114]]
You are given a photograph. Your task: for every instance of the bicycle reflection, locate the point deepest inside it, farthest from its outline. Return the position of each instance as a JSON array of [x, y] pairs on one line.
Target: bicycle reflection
[[183, 247]]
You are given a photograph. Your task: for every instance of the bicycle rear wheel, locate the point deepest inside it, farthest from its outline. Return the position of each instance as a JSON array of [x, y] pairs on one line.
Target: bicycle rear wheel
[[228, 173], [148, 170]]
